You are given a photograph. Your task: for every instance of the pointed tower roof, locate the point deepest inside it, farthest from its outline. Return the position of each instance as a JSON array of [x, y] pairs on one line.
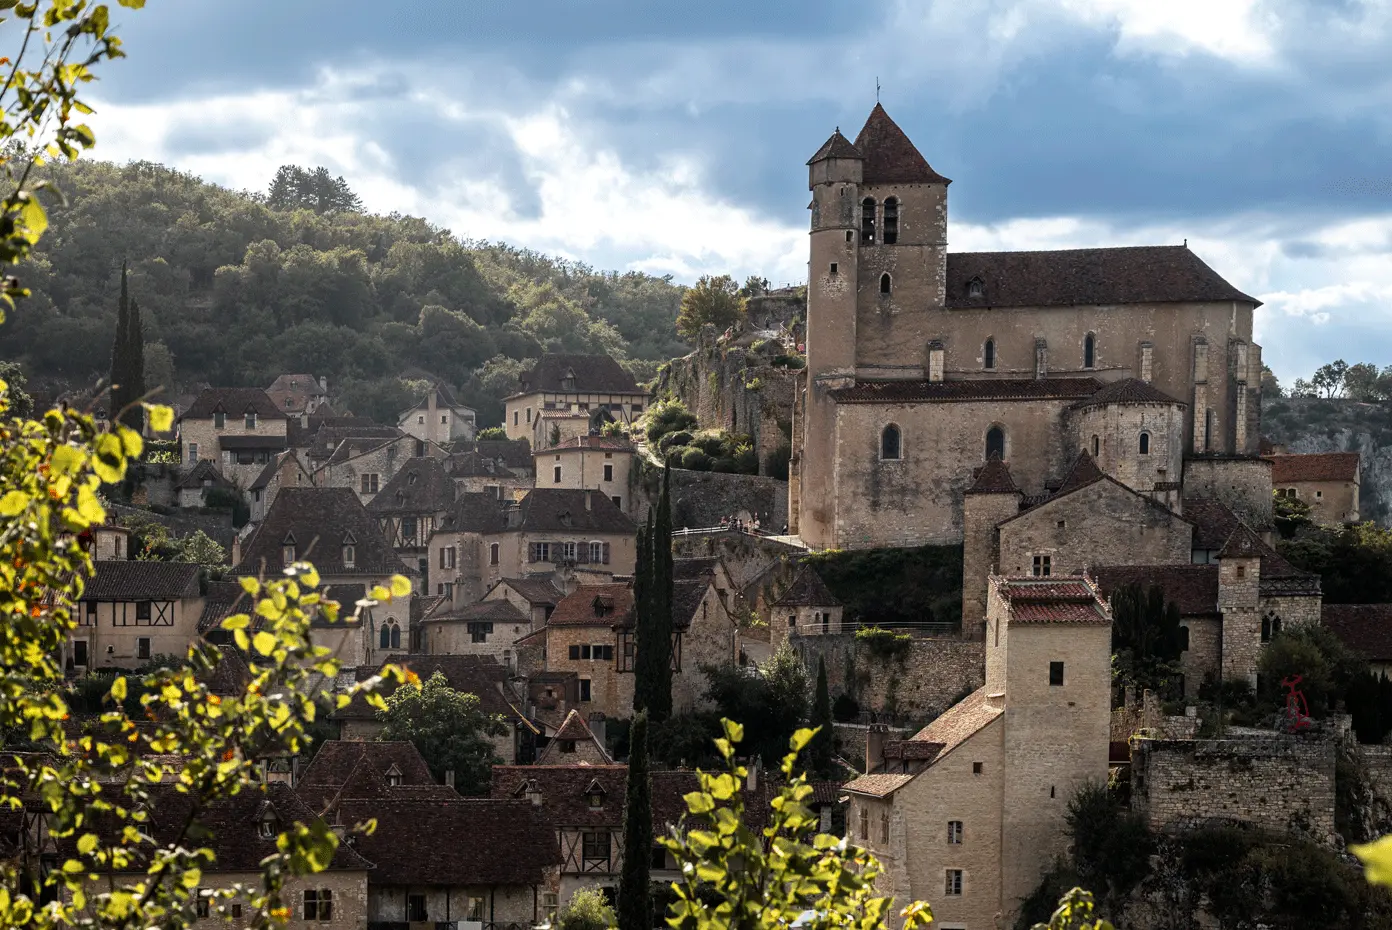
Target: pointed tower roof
[[1083, 472], [838, 146], [807, 590], [890, 158], [993, 478], [1242, 544]]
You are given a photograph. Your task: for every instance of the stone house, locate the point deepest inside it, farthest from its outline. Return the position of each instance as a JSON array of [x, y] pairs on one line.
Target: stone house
[[478, 472], [321, 439], [284, 471], [131, 611], [923, 364], [970, 812], [361, 769], [581, 385], [490, 627], [330, 528], [367, 465], [590, 462], [192, 488], [437, 417], [237, 429], [1326, 481], [574, 744], [558, 427], [805, 608], [299, 396], [410, 506], [1364, 628]]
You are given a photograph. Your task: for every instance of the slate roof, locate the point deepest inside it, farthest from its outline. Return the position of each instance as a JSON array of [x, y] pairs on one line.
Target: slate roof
[[993, 478], [231, 674], [1052, 600], [536, 591], [890, 158], [444, 397], [594, 374], [193, 478], [838, 146], [1242, 544], [1320, 466], [234, 402], [259, 441], [517, 453], [319, 522], [1364, 628], [1193, 588], [1083, 472], [1128, 391], [131, 580], [474, 465], [686, 598], [558, 510], [507, 842], [580, 443], [326, 440], [224, 598], [356, 446], [420, 486], [976, 389], [499, 611], [475, 674], [694, 569], [1087, 277], [474, 512], [573, 729], [335, 761], [807, 590], [1213, 521], [605, 605]]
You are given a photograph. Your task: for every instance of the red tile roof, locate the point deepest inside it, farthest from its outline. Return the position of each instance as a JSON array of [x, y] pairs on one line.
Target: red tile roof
[[958, 722], [1128, 391], [838, 146], [1364, 628], [594, 605], [877, 786], [976, 389], [1046, 601], [890, 158], [577, 443], [1319, 466]]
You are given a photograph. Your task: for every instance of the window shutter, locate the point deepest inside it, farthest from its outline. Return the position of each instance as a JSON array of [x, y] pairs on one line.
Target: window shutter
[[606, 553], [582, 552], [532, 552]]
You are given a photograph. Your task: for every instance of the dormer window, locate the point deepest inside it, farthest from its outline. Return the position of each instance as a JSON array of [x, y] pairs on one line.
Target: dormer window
[[595, 793], [603, 606], [250, 418], [268, 825], [568, 382], [976, 288], [287, 549], [393, 776], [350, 555], [219, 419], [411, 478]]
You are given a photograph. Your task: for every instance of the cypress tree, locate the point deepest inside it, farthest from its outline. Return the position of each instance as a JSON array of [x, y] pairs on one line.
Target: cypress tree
[[824, 743], [660, 598], [135, 369], [635, 910], [120, 350], [642, 612]]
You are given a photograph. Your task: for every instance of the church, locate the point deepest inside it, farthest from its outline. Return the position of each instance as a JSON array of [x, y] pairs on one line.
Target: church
[[923, 365]]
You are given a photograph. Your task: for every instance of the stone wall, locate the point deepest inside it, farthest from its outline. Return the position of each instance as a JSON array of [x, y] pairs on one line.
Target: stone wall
[[1282, 784], [932, 676], [1304, 425], [1244, 484], [702, 498]]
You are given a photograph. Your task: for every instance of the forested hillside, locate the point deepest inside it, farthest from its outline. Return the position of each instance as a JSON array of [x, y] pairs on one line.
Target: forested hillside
[[234, 291]]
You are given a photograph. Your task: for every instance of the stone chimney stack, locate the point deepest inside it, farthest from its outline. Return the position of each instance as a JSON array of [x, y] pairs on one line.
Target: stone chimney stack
[[875, 737], [449, 778]]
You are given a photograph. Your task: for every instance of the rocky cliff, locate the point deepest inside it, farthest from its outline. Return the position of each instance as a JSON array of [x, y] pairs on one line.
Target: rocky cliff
[[1316, 425]]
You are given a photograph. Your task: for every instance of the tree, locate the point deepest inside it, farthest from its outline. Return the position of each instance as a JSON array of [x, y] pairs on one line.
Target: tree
[[1290, 514], [824, 743], [1328, 380], [21, 405], [588, 910], [1270, 386], [635, 884], [159, 369], [754, 286], [1146, 637], [492, 432], [772, 702], [714, 300], [450, 730], [652, 687], [294, 188]]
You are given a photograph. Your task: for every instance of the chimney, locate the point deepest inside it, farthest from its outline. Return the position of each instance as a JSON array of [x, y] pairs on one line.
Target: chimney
[[430, 413], [236, 550], [449, 778], [875, 737]]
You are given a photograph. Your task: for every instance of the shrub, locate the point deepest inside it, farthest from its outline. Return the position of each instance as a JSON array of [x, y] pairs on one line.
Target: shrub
[[668, 416], [672, 441], [795, 362], [492, 432], [746, 460], [712, 442], [588, 910], [884, 644], [694, 459]]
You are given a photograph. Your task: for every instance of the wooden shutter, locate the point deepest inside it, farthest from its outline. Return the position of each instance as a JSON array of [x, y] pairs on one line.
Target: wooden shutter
[[606, 553]]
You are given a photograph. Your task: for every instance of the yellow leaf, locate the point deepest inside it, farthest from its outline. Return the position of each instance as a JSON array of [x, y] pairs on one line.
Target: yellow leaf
[[131, 443], [1377, 860], [251, 586], [66, 460], [87, 843], [263, 643], [400, 586], [118, 689], [161, 417], [13, 503], [379, 593]]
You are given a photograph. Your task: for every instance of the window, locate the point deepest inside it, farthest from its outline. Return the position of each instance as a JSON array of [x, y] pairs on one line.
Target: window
[[492, 553], [568, 552], [867, 221], [415, 908], [479, 630], [618, 501], [318, 904], [236, 912], [995, 444], [865, 825], [659, 858], [886, 285], [202, 906], [142, 611], [550, 904], [976, 768], [602, 653], [447, 556], [954, 832], [251, 419], [976, 288], [833, 267], [988, 354], [953, 887], [595, 845], [626, 652], [1089, 350], [445, 589], [350, 555], [1271, 625], [266, 828], [1056, 674], [585, 689], [444, 419], [556, 475], [539, 552], [192, 452], [1144, 444], [1096, 446], [79, 654], [529, 414], [792, 620], [891, 220], [891, 443], [391, 635], [1242, 571], [608, 472], [369, 483], [1043, 566], [408, 529], [884, 828], [219, 419], [580, 652], [1184, 639], [515, 415]]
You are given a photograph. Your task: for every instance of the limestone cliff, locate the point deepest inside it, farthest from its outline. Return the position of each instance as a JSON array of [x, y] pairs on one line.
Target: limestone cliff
[[1315, 425]]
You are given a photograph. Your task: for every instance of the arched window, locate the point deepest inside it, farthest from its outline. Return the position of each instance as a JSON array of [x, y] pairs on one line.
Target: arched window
[[988, 354], [867, 221], [1089, 350], [995, 443], [976, 288], [1145, 444], [1096, 446], [885, 284], [891, 220], [390, 637], [1183, 639], [891, 443], [1271, 625]]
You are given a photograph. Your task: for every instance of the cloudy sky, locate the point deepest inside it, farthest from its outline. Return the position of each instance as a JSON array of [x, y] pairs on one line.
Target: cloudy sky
[[671, 138]]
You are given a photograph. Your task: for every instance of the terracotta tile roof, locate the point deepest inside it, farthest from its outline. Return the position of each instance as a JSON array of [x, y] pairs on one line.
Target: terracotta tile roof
[[356, 447], [1320, 466], [574, 727], [1242, 544], [336, 760], [273, 466], [499, 611], [507, 842], [993, 478], [234, 402], [515, 453], [123, 580], [877, 786], [319, 523], [911, 749], [838, 146], [890, 158], [231, 674], [204, 469], [420, 486], [958, 723], [565, 791], [293, 392], [1052, 600], [475, 465], [1087, 277], [1364, 628], [1213, 521], [579, 443], [807, 590], [573, 730], [595, 605], [444, 397], [554, 510], [593, 374], [1128, 391], [977, 389], [1194, 588], [536, 591]]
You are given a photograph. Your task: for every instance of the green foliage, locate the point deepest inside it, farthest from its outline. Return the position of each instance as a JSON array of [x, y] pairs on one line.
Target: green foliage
[[1145, 639], [823, 749], [1326, 666], [692, 459], [713, 300], [1291, 514], [635, 884], [21, 405], [733, 876], [588, 909], [652, 687], [889, 586], [295, 188], [668, 416], [884, 644], [772, 701], [450, 730], [795, 362], [492, 432], [1111, 846], [1354, 562], [845, 709], [128, 361]]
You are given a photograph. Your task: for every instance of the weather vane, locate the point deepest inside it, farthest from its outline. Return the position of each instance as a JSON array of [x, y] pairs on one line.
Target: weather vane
[[877, 88]]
